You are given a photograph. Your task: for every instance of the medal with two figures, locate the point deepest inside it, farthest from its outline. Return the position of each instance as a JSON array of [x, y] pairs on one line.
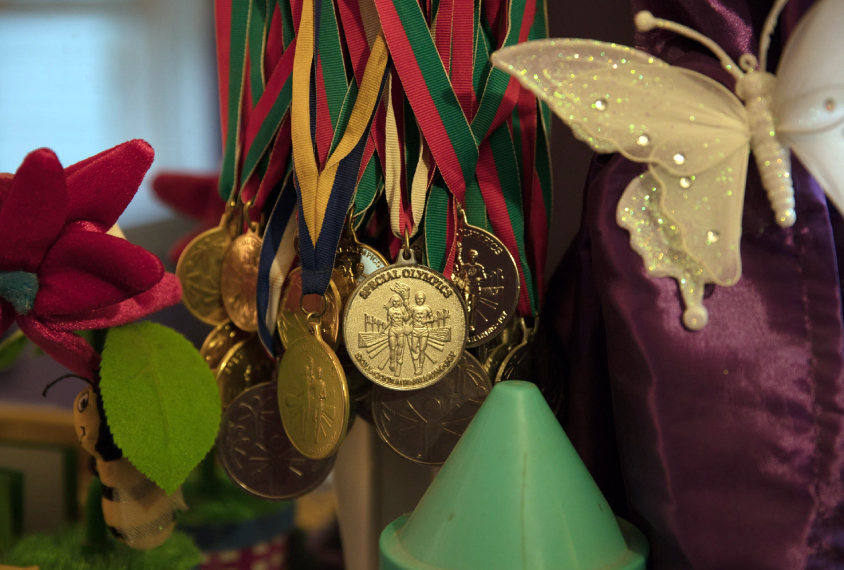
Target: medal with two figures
[[405, 326]]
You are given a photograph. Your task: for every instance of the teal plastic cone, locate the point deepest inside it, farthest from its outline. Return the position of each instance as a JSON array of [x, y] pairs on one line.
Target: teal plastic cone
[[514, 494]]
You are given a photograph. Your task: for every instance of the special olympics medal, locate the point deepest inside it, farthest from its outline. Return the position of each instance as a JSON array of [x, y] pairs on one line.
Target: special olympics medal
[[239, 280], [255, 451], [405, 326], [425, 425], [313, 397], [489, 279], [219, 341], [293, 322], [245, 365], [199, 271]]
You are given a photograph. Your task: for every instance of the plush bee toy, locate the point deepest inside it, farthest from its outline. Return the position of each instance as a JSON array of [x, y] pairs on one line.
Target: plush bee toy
[[136, 510]]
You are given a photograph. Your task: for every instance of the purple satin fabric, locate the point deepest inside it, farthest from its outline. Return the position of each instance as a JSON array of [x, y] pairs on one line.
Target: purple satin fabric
[[725, 446]]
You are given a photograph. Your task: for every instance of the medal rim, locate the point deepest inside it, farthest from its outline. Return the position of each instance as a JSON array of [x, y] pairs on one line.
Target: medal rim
[[208, 319], [252, 325], [216, 331], [344, 389], [512, 312], [455, 291], [377, 423], [281, 497], [229, 355]]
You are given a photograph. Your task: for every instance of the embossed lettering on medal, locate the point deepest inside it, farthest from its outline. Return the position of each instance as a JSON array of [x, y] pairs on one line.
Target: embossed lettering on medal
[[239, 280], [255, 452], [199, 270], [425, 425], [488, 276], [405, 326]]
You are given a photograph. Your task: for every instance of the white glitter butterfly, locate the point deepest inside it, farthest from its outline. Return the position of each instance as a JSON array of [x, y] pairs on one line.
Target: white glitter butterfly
[[684, 213]]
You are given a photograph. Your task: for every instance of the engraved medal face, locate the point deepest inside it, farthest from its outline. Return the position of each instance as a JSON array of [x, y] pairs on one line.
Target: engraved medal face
[[219, 342], [245, 365], [293, 323], [255, 451], [199, 270], [425, 425], [313, 397], [489, 280], [239, 280], [405, 326], [370, 262]]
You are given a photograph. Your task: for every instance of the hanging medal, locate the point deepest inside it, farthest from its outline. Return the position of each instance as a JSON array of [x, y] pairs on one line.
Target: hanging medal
[[313, 396], [488, 276], [219, 341], [425, 425], [239, 275], [243, 366], [405, 325], [199, 269]]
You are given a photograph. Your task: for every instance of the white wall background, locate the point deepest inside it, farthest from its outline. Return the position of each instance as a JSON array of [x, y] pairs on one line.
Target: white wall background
[[82, 76]]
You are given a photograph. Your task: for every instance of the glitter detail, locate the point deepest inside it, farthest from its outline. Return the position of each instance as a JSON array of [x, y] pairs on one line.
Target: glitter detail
[[643, 140], [679, 159], [712, 236], [600, 105], [685, 182]]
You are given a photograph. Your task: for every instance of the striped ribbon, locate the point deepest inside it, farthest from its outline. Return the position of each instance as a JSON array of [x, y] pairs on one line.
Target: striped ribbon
[[325, 193]]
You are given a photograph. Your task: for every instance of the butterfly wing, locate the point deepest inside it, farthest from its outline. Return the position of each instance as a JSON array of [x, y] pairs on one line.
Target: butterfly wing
[[691, 130], [808, 99]]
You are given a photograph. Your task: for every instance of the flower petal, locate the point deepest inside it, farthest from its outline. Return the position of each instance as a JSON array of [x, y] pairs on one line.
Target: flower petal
[[84, 271], [64, 347], [166, 293], [99, 188], [33, 211], [192, 195]]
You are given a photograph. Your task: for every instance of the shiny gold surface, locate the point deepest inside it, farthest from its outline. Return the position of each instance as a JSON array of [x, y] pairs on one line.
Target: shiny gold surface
[[292, 322], [244, 366], [313, 397], [239, 280], [219, 341], [199, 270], [405, 326]]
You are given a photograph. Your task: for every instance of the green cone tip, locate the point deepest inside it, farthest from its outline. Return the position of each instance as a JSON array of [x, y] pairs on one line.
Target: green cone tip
[[514, 494]]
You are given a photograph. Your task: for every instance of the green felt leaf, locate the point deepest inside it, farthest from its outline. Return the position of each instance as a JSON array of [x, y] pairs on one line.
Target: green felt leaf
[[161, 401], [11, 348]]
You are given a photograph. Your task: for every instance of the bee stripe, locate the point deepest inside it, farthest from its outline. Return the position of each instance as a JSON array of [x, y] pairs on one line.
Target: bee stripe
[[137, 493]]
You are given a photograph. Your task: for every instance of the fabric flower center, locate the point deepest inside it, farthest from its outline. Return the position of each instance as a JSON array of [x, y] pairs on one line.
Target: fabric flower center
[[19, 288]]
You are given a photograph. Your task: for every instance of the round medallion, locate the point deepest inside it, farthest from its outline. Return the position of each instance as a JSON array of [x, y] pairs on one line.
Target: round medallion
[[293, 323], [239, 280], [255, 451], [219, 341], [405, 326], [199, 270], [489, 280], [245, 365], [425, 425], [313, 397]]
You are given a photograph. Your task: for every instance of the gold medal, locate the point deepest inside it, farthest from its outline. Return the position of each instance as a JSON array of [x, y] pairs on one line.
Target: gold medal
[[425, 425], [244, 366], [405, 325], [219, 341], [493, 353], [313, 397], [239, 280], [292, 319], [199, 271]]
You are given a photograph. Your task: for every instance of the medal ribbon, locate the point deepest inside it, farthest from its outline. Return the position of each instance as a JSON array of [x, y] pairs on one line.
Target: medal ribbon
[[325, 196], [456, 144]]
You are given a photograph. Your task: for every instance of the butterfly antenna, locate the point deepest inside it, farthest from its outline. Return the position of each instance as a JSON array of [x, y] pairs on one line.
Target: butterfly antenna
[[768, 30], [645, 22]]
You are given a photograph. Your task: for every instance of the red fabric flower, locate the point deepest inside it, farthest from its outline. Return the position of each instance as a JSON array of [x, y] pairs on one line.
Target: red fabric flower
[[59, 269], [194, 196]]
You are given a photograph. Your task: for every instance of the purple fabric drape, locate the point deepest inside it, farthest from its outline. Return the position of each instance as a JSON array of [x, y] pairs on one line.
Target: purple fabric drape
[[725, 446]]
